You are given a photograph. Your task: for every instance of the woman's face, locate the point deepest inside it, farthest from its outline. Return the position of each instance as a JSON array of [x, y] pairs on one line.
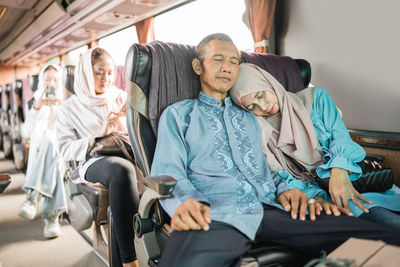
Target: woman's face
[[103, 72], [261, 103], [51, 78]]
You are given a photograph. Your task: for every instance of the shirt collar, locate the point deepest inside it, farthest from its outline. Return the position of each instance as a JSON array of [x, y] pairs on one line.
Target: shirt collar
[[209, 100]]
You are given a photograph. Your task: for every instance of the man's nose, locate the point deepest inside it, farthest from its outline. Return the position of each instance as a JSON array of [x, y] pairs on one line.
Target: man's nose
[[226, 66]]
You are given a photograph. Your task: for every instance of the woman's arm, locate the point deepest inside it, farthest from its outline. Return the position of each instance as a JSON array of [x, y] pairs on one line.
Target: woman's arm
[[71, 147], [341, 153]]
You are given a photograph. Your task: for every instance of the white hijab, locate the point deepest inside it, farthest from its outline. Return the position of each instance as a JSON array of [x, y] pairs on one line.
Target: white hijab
[[41, 88], [84, 84], [289, 137]]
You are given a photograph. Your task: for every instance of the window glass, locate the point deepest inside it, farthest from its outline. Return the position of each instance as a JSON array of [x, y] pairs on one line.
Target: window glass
[[118, 44], [73, 56], [190, 23], [54, 60]]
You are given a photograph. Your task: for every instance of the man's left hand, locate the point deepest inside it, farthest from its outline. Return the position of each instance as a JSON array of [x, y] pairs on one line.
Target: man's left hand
[[295, 201]]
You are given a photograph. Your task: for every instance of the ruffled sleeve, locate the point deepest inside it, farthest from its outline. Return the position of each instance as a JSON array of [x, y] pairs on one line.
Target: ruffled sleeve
[[310, 189], [340, 151]]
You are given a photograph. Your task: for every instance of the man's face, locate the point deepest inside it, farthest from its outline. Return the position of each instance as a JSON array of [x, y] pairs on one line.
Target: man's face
[[220, 68]]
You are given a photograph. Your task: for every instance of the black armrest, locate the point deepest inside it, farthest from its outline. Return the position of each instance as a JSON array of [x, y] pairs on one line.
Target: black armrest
[[163, 185]]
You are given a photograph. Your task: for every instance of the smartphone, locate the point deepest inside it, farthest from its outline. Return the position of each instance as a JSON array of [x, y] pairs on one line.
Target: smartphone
[[50, 91]]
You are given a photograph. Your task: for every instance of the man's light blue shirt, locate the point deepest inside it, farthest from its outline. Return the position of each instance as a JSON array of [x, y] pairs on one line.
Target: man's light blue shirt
[[215, 154]]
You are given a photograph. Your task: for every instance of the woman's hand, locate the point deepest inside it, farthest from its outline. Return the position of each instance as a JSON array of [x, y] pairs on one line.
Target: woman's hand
[[342, 191], [109, 125], [46, 101], [319, 204]]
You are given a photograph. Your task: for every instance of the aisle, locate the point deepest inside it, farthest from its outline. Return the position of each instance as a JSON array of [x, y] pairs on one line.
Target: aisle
[[21, 240]]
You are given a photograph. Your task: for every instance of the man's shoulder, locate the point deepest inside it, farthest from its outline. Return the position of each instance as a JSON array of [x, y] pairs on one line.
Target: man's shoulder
[[180, 108]]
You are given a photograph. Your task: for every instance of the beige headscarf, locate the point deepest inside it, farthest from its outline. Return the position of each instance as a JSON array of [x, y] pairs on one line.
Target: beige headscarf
[[288, 136], [84, 83]]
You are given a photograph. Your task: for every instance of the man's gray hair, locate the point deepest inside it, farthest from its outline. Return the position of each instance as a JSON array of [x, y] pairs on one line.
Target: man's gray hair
[[199, 51]]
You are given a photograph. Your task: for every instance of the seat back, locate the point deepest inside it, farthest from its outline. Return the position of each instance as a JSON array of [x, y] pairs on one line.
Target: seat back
[[160, 74], [68, 79]]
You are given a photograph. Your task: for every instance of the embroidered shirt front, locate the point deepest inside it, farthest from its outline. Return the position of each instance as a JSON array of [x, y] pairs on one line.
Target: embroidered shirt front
[[215, 155]]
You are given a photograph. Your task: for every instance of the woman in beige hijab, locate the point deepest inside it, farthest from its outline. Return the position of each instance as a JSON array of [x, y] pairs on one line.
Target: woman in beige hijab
[[304, 136], [98, 109]]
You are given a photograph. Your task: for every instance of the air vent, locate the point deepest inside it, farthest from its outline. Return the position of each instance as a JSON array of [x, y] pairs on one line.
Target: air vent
[[114, 18], [83, 34], [148, 2]]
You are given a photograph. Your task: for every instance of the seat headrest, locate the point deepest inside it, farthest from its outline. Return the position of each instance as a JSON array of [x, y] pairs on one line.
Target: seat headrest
[[68, 78], [18, 87], [34, 81], [161, 74]]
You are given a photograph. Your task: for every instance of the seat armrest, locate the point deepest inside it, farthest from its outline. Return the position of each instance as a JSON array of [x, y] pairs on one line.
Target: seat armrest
[[5, 180], [163, 185]]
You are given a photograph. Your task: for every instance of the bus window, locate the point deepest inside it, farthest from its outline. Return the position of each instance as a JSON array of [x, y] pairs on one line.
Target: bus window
[[191, 22], [74, 55], [54, 60], [117, 44]]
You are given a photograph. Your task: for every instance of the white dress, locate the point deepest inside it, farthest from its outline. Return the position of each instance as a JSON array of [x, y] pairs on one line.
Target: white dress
[[46, 168]]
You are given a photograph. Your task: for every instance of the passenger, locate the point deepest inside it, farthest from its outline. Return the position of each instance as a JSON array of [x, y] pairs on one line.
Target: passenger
[[226, 197], [298, 131], [98, 109], [45, 170]]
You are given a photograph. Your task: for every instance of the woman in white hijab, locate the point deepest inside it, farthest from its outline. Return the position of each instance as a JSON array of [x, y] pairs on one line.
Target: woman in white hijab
[[304, 135], [98, 109], [45, 171]]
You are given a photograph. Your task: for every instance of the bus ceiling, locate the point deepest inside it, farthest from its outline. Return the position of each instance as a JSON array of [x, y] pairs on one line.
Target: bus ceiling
[[33, 31]]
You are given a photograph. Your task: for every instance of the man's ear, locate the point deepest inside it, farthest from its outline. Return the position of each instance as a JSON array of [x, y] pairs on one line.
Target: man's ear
[[197, 66]]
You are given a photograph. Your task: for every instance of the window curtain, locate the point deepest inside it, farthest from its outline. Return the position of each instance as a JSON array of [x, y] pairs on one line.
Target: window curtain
[[259, 16], [145, 30]]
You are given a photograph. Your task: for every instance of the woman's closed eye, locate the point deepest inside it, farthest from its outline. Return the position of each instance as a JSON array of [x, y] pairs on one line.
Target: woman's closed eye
[[250, 107], [260, 94]]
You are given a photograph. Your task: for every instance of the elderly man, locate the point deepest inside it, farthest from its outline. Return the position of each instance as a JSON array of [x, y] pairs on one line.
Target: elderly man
[[226, 197]]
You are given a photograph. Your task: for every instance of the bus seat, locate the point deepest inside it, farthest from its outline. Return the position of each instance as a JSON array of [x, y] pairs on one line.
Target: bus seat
[[6, 121], [17, 120], [1, 116], [68, 80], [5, 180], [148, 95]]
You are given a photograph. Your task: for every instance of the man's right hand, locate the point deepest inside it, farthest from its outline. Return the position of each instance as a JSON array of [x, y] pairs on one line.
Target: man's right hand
[[191, 215]]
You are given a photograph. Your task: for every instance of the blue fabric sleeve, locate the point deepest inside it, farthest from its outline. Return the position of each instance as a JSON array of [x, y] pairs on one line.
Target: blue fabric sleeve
[[280, 183], [310, 189], [340, 151], [170, 158]]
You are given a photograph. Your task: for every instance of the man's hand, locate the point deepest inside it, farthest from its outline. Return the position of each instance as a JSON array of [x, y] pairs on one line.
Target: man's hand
[[342, 191], [191, 215], [291, 200]]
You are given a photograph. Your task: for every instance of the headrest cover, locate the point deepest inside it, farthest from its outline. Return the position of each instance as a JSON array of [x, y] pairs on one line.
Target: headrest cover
[[172, 77], [283, 68]]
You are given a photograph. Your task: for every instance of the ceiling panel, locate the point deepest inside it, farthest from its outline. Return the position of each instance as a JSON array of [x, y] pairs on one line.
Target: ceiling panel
[[84, 21]]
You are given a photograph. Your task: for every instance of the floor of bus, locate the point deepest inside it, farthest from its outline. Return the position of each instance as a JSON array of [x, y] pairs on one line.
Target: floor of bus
[[22, 242]]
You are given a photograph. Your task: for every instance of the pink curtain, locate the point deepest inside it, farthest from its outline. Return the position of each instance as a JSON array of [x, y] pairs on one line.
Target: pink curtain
[[260, 16], [145, 30], [26, 92], [120, 77]]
